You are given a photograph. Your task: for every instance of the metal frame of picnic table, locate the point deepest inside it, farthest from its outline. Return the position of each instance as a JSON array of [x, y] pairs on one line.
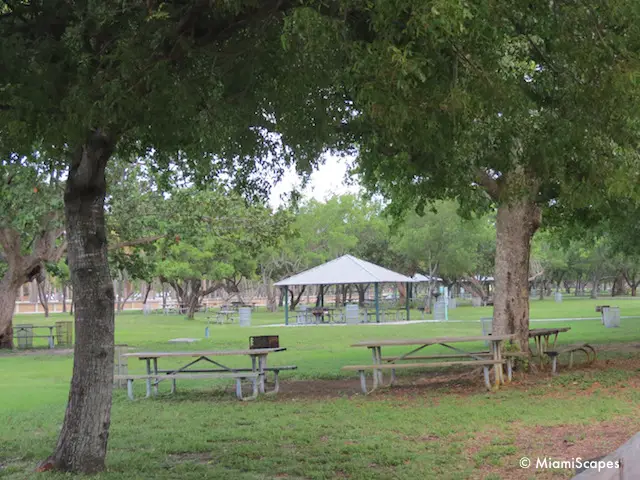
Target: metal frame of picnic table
[[50, 338], [495, 342], [258, 364]]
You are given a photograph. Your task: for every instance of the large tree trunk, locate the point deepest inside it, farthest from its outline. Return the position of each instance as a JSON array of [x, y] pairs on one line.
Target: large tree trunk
[[82, 444], [194, 299], [516, 223], [8, 296]]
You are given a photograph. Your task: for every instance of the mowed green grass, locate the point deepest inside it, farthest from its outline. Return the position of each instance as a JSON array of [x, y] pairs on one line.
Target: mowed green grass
[[203, 432]]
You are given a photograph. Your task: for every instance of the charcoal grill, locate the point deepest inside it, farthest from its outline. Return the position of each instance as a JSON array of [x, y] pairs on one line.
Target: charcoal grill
[[264, 341]]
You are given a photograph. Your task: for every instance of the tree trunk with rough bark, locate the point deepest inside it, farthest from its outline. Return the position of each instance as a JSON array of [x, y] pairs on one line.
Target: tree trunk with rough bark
[[516, 223], [82, 444], [8, 296]]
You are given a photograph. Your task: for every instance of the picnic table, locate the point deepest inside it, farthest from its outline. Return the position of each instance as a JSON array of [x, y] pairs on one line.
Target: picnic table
[[542, 337], [27, 332], [225, 315], [256, 374], [321, 312], [486, 360]]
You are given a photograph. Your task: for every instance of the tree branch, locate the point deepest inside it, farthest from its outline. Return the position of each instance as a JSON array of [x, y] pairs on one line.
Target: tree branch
[[488, 183]]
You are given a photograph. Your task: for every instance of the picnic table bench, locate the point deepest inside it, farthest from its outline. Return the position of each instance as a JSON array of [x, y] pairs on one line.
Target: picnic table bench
[[256, 374], [486, 360], [155, 379], [585, 348]]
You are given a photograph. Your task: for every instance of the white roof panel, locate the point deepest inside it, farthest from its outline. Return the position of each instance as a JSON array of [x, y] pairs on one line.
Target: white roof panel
[[345, 269], [418, 278]]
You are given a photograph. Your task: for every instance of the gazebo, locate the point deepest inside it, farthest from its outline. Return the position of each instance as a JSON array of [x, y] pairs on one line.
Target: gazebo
[[344, 270]]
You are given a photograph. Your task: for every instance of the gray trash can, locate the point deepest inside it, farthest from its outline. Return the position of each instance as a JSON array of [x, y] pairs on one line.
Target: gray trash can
[[245, 316], [352, 312], [439, 313], [24, 335], [558, 297], [487, 326], [611, 317]]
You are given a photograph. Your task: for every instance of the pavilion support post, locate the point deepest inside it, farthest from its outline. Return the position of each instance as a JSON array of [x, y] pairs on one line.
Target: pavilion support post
[[321, 296], [408, 298], [286, 305], [377, 301]]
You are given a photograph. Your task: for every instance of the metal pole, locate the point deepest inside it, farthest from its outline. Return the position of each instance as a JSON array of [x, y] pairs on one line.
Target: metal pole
[[377, 297], [321, 296], [286, 305], [408, 295]]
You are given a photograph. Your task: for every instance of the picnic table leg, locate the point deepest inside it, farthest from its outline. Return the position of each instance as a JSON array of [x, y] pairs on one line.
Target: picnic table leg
[[155, 371], [262, 364], [376, 353], [500, 365], [130, 388], [487, 382], [148, 360], [496, 374]]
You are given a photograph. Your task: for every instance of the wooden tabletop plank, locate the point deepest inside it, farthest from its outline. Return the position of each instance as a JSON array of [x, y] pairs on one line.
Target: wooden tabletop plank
[[547, 331], [210, 353], [432, 341]]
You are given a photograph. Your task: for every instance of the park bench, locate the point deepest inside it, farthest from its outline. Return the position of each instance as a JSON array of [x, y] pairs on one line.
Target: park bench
[[585, 348], [361, 369], [238, 376]]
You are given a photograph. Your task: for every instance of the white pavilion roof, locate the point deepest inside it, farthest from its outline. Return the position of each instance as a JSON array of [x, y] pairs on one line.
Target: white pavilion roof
[[345, 269]]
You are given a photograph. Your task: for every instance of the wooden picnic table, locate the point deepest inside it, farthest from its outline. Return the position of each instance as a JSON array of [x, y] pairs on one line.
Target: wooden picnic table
[[28, 328], [321, 312], [475, 358], [258, 365], [541, 338], [223, 316]]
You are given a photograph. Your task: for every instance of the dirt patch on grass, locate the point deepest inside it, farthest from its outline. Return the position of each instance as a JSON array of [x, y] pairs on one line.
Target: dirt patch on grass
[[463, 382], [497, 453]]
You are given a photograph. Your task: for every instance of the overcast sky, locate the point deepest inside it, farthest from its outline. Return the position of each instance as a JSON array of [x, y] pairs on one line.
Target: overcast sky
[[327, 180]]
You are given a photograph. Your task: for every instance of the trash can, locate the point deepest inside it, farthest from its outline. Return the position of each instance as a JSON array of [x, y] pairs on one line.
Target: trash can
[[487, 326], [352, 312], [611, 317], [558, 297], [24, 334], [245, 316]]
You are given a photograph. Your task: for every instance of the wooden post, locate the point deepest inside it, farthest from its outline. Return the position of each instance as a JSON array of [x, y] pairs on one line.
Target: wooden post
[[408, 298], [286, 305], [377, 301], [120, 366]]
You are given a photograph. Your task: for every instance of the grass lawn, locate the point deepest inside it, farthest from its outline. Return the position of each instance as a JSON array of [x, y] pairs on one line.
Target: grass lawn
[[440, 426]]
